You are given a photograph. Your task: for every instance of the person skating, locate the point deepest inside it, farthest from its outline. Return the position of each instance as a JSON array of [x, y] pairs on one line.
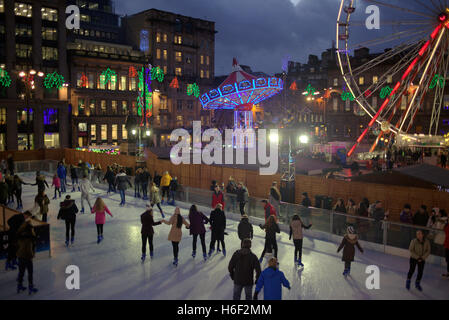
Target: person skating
[[109, 177], [14, 224], [17, 185], [231, 189], [137, 183], [271, 228], [173, 189], [10, 182], [175, 235], [100, 209], [3, 192], [421, 216], [145, 177], [197, 221], [57, 184], [122, 182], [26, 244], [165, 185], [217, 197], [85, 187], [275, 197], [419, 251], [242, 197], [155, 198], [269, 209], [10, 162], [217, 221], [241, 269], [245, 229], [42, 201], [271, 280], [348, 244], [67, 212], [296, 226], [147, 231], [74, 177], [41, 183], [62, 175]]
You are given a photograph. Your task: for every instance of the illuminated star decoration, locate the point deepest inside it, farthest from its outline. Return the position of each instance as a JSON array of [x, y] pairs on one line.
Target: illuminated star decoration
[[145, 93], [174, 83], [347, 95], [193, 89], [84, 81], [107, 76], [5, 79], [53, 80], [385, 92], [437, 80], [293, 86], [157, 73]]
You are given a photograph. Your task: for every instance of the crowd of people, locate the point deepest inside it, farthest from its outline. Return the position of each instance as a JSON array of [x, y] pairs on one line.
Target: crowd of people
[[244, 266]]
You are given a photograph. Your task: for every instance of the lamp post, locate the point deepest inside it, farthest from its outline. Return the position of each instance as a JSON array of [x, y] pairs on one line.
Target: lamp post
[[28, 78]]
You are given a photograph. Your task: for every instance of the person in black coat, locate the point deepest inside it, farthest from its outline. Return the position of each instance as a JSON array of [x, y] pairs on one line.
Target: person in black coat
[[110, 179], [67, 212], [10, 162], [217, 221], [245, 229], [41, 183], [271, 228], [173, 188], [74, 177], [241, 269], [14, 224], [147, 231], [145, 180]]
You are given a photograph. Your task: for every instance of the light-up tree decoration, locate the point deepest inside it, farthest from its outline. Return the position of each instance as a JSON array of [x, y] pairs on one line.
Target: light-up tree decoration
[[174, 83], [347, 95], [53, 80], [84, 81], [106, 76], [193, 89], [145, 94], [5, 79], [157, 74], [293, 86], [437, 80]]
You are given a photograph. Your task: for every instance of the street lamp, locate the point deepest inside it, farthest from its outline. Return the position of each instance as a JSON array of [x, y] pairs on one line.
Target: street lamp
[[303, 139], [148, 133], [133, 131], [28, 78]]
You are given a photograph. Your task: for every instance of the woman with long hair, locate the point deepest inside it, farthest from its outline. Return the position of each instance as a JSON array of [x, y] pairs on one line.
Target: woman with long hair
[[147, 231], [100, 210], [271, 228], [296, 227], [197, 221], [176, 221]]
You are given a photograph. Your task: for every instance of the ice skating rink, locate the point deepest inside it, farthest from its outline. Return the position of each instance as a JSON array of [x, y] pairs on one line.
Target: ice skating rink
[[113, 269]]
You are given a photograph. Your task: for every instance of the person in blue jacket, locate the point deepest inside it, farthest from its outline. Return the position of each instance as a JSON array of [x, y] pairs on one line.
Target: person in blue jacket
[[62, 175], [272, 280]]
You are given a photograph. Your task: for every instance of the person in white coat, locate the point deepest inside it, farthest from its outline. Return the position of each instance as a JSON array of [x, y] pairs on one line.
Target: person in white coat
[[85, 186]]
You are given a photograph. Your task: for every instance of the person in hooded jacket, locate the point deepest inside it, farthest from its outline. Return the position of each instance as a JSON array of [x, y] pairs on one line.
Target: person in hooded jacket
[[175, 235], [421, 217], [271, 228], [241, 269], [165, 185], [67, 212], [275, 197], [122, 182], [271, 280], [197, 221], [348, 244], [217, 221], [245, 229], [155, 198], [147, 231], [173, 189], [109, 176], [145, 180], [17, 189], [138, 183], [217, 197], [85, 186], [296, 226], [242, 197]]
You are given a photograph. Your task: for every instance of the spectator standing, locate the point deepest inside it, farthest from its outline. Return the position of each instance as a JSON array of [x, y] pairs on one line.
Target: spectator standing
[[26, 245], [275, 197], [217, 221], [242, 197], [419, 251], [165, 185]]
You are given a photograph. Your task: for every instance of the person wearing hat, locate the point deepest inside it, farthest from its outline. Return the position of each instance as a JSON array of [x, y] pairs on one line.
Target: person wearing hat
[[245, 229], [348, 244], [147, 221]]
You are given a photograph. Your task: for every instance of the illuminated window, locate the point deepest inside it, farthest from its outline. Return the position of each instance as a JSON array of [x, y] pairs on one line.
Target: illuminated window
[[90, 80], [178, 39], [361, 81], [24, 30], [113, 83], [104, 132], [101, 85], [132, 84], [348, 105], [2, 116], [23, 9], [114, 130], [104, 108], [374, 102], [93, 132], [93, 6], [178, 71], [335, 104], [207, 60], [2, 6], [207, 74], [114, 107], [404, 103], [124, 107], [133, 108], [23, 50], [165, 69], [122, 83], [375, 79], [201, 74], [158, 53], [158, 37], [49, 14], [335, 82], [178, 56], [389, 79], [163, 105], [92, 107], [124, 132], [49, 34], [81, 106], [202, 59], [165, 37], [85, 18], [49, 53], [165, 54]]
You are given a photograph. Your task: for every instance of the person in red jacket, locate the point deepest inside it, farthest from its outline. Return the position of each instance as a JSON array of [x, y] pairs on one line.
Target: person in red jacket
[[269, 210], [217, 197], [446, 249]]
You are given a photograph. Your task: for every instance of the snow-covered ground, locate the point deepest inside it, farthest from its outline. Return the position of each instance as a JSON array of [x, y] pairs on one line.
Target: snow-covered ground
[[113, 270]]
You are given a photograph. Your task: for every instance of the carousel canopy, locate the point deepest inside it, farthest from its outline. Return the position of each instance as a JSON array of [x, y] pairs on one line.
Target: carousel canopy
[[241, 90]]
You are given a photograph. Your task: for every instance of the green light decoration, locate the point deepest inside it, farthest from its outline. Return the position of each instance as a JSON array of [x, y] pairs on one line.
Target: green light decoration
[[347, 95], [310, 90], [385, 92], [5, 79], [53, 80], [106, 76], [143, 89], [157, 73], [193, 89], [437, 80]]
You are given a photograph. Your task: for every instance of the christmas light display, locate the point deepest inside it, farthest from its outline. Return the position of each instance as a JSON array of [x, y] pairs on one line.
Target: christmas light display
[[193, 89], [368, 93], [108, 151], [310, 91], [53, 80], [157, 73], [437, 80], [84, 81], [145, 94], [5, 79], [385, 92], [106, 76], [132, 72], [174, 83], [293, 86], [347, 95]]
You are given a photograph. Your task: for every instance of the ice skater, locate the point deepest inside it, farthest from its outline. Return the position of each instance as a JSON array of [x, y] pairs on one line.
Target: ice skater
[[14, 224], [271, 280], [245, 229], [348, 244], [26, 244], [197, 221], [165, 185], [122, 182], [100, 210], [62, 175], [419, 251], [296, 226], [110, 179], [147, 231], [271, 228], [17, 185], [155, 198], [85, 186], [67, 212], [57, 184], [10, 182], [41, 183], [217, 221], [42, 201], [175, 235], [74, 177]]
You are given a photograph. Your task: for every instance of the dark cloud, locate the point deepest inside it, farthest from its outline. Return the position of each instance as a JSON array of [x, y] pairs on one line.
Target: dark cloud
[[260, 33]]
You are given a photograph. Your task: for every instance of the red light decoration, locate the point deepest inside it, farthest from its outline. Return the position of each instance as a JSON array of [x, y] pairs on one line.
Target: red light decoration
[[293, 86], [174, 83], [132, 72], [84, 81], [368, 93]]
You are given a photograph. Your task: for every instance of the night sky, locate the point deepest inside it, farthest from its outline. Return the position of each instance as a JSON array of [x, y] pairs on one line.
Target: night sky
[[262, 33]]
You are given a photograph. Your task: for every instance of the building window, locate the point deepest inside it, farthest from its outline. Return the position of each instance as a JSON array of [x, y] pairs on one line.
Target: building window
[[374, 102], [50, 117], [24, 30], [93, 132], [114, 107], [207, 74], [133, 108], [85, 18], [101, 85], [158, 53], [201, 74], [103, 107], [178, 56], [51, 140], [335, 104], [93, 5], [23, 50], [163, 105], [189, 105], [49, 14], [335, 82], [165, 69], [23, 9], [49, 34], [81, 106], [178, 71], [2, 116], [404, 103], [375, 79], [124, 133], [207, 60], [82, 127], [132, 84], [178, 39], [179, 121], [104, 132], [114, 129], [22, 141], [112, 85], [165, 54], [124, 107], [165, 38], [347, 105], [2, 6], [361, 81], [122, 84], [49, 53], [201, 59], [158, 37], [389, 79], [179, 105], [90, 80], [92, 107]]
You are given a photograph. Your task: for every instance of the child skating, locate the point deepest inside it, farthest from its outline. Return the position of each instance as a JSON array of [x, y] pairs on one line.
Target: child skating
[[100, 210], [348, 244]]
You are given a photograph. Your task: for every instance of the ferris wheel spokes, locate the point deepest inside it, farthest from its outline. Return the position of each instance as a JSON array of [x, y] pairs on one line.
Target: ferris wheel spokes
[[392, 6]]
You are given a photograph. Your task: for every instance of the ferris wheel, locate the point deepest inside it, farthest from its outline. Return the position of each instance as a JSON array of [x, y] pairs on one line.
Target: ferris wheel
[[417, 60]]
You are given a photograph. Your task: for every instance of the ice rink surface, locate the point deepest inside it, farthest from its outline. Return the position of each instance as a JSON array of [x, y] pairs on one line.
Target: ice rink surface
[[113, 269]]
